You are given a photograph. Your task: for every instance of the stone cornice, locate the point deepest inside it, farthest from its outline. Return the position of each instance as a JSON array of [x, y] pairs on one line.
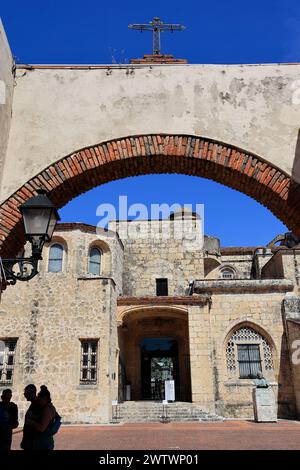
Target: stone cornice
[[238, 250], [162, 301], [238, 286]]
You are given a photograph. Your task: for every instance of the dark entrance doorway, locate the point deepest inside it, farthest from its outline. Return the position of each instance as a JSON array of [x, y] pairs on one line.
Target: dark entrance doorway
[[159, 362]]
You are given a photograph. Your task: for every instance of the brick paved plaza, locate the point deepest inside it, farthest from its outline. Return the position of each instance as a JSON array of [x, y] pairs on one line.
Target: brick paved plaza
[[246, 435]]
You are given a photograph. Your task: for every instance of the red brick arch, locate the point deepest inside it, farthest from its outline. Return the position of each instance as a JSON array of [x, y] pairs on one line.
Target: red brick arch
[[146, 154]]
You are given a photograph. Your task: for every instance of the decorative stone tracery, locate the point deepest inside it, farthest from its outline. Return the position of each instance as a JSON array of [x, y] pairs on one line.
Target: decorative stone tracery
[[247, 335]]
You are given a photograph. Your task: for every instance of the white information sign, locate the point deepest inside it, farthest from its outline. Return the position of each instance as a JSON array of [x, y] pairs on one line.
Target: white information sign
[[170, 390]]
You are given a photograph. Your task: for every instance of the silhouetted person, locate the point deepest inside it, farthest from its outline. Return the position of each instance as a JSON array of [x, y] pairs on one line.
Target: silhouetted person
[[43, 437], [4, 420], [10, 419], [33, 411]]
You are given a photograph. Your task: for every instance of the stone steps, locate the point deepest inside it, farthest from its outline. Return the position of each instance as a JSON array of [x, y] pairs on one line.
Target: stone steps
[[144, 411]]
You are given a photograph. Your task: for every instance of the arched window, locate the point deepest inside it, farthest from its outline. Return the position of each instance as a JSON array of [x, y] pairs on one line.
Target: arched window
[[55, 258], [95, 261], [227, 273], [247, 353]]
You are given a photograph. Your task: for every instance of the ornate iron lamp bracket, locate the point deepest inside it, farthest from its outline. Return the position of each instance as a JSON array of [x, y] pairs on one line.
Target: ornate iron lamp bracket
[[20, 269]]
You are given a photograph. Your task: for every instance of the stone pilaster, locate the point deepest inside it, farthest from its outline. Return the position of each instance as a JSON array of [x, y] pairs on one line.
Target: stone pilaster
[[200, 357]]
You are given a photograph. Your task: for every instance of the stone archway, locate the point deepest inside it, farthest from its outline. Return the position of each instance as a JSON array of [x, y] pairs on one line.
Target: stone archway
[[157, 325], [160, 153]]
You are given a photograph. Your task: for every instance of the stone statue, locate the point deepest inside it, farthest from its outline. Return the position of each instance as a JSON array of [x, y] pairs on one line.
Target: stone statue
[[261, 382]]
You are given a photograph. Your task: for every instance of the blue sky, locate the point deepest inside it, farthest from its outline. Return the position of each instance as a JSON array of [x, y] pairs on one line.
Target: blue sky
[[217, 31]]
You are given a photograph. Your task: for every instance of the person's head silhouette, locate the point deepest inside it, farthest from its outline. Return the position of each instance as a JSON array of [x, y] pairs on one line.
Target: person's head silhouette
[[44, 396], [6, 396], [30, 392]]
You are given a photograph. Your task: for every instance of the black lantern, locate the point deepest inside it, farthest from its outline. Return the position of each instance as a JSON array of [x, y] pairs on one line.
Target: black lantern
[[39, 217]]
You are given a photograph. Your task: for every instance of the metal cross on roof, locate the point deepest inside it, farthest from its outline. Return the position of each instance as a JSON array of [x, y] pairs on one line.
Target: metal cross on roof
[[156, 26]]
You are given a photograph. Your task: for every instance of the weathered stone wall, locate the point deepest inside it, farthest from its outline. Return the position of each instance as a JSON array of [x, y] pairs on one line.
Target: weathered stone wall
[[291, 266], [6, 95], [241, 264], [284, 264], [201, 357], [261, 258], [291, 319], [78, 239], [164, 255], [233, 396], [273, 269], [52, 313], [70, 108]]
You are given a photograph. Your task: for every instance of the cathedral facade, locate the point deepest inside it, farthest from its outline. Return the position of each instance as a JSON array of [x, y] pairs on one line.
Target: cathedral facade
[[112, 317]]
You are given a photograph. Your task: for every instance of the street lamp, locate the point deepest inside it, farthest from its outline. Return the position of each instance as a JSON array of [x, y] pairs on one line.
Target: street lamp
[[39, 217]]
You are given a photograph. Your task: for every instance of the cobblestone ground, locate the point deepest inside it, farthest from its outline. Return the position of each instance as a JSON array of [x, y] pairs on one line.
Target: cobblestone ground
[[176, 436]]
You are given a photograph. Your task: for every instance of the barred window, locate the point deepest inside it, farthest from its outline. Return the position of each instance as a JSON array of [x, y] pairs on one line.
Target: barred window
[[227, 273], [95, 261], [247, 353], [7, 359], [88, 367], [55, 258], [249, 360]]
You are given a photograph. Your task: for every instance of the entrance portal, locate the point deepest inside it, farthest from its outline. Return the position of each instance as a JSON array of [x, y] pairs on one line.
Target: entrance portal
[[154, 347], [159, 362]]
